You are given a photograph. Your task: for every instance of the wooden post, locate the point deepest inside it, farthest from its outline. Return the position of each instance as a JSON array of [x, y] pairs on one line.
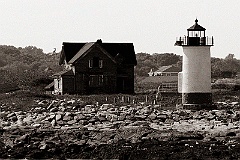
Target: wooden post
[[154, 101], [122, 99]]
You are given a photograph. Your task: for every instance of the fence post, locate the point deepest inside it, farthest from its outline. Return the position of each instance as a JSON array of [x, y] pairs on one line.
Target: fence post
[[128, 99], [154, 101]]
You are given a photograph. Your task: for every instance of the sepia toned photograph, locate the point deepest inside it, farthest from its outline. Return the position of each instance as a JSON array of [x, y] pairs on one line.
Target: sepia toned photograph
[[119, 79]]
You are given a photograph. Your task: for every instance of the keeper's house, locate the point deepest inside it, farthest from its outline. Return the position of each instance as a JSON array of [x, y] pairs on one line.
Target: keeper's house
[[96, 68]]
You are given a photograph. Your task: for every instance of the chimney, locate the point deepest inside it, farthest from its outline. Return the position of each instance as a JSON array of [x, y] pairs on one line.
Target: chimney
[[99, 41]]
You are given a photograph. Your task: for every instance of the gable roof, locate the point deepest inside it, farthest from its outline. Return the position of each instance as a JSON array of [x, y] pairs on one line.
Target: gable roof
[[69, 50], [72, 51], [86, 47], [169, 68]]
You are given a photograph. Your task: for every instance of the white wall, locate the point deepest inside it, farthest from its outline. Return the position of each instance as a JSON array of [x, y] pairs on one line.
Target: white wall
[[58, 86], [196, 77]]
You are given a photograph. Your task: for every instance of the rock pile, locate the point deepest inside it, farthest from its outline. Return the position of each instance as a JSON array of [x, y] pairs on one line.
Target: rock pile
[[74, 114], [51, 121]]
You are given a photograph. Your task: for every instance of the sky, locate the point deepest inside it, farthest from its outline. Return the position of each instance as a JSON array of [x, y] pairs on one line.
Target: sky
[[151, 25]]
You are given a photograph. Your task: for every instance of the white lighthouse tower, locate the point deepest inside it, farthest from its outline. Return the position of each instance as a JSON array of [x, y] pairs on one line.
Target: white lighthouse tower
[[195, 78]]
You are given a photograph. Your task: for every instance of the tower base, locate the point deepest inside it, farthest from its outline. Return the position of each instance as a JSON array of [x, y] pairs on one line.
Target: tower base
[[197, 98], [197, 101]]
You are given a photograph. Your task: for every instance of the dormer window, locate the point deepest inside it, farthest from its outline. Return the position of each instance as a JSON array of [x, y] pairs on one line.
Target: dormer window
[[95, 63]]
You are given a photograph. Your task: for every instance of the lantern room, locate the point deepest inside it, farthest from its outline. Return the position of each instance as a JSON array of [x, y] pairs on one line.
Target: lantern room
[[195, 37]]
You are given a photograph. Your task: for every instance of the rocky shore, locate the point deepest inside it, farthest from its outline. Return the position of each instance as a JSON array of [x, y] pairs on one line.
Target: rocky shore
[[69, 128]]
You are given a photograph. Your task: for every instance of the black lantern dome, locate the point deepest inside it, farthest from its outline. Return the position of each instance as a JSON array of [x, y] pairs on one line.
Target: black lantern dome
[[195, 37]]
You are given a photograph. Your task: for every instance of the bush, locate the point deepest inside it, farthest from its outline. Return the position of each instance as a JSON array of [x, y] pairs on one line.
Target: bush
[[41, 81], [224, 86]]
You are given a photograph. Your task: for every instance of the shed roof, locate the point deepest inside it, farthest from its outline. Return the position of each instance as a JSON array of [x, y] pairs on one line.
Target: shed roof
[[126, 50], [196, 27], [64, 73], [158, 79], [169, 68], [49, 87]]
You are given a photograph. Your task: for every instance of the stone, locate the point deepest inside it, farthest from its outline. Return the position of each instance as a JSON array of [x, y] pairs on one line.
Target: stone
[[27, 119], [67, 118], [11, 115], [83, 122], [61, 108], [163, 117], [37, 125], [71, 122], [79, 117], [152, 116], [102, 118], [58, 117], [53, 122], [42, 146], [50, 105], [230, 134], [61, 123], [13, 118], [105, 107], [23, 139], [122, 117], [50, 118], [54, 109]]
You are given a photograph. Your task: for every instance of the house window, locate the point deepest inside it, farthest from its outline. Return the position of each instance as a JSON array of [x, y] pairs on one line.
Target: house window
[[90, 63], [100, 63], [100, 80], [95, 80], [95, 63]]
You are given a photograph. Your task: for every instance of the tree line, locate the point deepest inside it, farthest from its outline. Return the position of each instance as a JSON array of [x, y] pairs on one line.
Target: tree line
[[220, 67], [31, 66]]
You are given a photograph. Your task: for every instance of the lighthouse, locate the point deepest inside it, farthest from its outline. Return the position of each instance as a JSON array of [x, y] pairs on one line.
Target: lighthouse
[[195, 78]]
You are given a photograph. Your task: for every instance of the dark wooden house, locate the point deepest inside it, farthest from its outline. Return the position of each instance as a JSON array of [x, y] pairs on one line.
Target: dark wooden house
[[96, 68]]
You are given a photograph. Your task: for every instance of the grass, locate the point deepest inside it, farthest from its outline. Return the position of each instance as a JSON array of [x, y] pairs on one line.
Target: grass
[[25, 99], [21, 100]]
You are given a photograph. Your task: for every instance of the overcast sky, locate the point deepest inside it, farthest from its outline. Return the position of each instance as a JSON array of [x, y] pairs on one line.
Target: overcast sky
[[152, 25]]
